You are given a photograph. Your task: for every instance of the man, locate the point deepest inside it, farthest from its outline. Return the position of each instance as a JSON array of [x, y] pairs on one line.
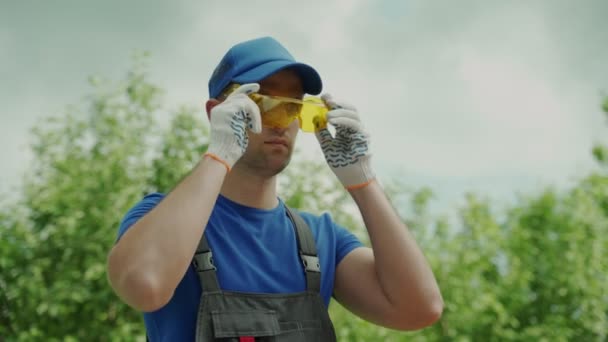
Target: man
[[267, 275]]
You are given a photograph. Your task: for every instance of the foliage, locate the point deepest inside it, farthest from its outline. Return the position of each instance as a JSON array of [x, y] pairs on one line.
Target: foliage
[[536, 270]]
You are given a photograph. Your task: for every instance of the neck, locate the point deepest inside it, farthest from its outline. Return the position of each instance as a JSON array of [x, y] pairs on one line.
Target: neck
[[250, 189]]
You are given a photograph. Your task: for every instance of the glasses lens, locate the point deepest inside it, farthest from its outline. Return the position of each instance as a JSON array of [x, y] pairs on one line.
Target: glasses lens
[[280, 112], [313, 115], [276, 112]]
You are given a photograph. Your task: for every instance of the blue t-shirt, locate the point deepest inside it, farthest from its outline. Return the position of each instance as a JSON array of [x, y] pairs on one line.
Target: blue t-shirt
[[254, 250]]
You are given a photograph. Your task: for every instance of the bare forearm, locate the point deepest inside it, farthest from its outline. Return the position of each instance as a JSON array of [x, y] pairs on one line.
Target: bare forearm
[[151, 258], [403, 272]]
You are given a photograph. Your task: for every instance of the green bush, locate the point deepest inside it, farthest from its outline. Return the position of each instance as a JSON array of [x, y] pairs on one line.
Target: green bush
[[536, 271]]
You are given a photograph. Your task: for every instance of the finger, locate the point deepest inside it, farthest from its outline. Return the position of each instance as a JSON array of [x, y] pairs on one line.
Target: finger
[[246, 89], [256, 118], [333, 104], [240, 96], [343, 113], [329, 101], [253, 113], [323, 136], [326, 97], [346, 122]]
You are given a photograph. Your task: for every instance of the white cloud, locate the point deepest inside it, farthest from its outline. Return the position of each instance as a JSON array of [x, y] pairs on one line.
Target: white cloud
[[464, 95]]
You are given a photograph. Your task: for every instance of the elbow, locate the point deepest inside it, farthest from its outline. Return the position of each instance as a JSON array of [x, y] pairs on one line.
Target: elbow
[[433, 312], [421, 317], [141, 290]]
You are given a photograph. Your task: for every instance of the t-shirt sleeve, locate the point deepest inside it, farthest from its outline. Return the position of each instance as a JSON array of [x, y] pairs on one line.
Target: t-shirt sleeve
[[345, 242], [138, 211]]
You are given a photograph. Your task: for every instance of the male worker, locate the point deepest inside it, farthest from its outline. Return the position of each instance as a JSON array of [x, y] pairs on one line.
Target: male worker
[[221, 256]]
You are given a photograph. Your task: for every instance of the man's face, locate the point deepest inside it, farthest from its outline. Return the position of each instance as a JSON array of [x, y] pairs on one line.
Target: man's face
[[270, 151]]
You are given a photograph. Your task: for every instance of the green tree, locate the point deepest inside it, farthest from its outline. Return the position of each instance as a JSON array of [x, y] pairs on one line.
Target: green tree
[[89, 166], [535, 270], [182, 145]]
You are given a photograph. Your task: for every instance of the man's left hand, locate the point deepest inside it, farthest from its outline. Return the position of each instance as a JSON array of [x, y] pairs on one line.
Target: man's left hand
[[347, 154]]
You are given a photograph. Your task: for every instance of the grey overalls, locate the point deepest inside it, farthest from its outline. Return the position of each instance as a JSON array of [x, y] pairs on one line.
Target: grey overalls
[[237, 316]]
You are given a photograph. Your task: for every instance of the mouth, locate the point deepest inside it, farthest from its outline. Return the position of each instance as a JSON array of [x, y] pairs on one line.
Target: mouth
[[280, 142]]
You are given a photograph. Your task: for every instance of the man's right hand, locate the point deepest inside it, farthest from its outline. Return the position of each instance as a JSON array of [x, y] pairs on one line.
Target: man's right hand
[[229, 123]]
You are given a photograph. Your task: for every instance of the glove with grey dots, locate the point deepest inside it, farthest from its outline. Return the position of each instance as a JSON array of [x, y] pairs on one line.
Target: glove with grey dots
[[347, 153], [229, 122]]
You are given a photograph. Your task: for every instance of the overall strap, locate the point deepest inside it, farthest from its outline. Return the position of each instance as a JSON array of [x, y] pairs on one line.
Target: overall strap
[[206, 270], [307, 250], [203, 264]]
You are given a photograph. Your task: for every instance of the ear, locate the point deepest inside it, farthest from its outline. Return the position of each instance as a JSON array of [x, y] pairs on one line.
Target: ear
[[209, 106]]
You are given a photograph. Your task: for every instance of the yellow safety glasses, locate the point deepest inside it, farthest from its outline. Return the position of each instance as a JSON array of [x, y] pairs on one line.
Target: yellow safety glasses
[[279, 112]]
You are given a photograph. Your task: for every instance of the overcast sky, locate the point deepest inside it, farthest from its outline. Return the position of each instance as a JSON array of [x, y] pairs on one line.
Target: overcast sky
[[496, 97]]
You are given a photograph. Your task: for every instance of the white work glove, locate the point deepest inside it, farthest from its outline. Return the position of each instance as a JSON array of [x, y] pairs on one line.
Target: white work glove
[[347, 154], [229, 122]]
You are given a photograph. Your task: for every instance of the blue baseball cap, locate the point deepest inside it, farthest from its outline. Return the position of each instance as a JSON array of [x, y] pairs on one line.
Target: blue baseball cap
[[253, 60]]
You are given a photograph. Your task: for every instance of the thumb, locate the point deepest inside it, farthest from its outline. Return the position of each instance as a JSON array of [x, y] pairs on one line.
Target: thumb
[[255, 125], [252, 110], [324, 136]]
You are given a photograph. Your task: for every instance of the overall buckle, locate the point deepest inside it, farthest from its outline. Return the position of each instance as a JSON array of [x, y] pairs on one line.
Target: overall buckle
[[203, 261], [311, 263]]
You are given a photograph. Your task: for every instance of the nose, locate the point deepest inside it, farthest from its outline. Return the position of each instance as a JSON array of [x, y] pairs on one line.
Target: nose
[[277, 130]]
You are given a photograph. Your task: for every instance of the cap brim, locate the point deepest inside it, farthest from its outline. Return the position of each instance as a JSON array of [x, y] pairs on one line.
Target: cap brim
[[311, 81]]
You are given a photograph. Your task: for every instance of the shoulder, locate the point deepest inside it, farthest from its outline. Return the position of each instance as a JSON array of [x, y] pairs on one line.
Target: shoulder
[[147, 203], [323, 225], [330, 235], [151, 199], [315, 221], [137, 211]]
